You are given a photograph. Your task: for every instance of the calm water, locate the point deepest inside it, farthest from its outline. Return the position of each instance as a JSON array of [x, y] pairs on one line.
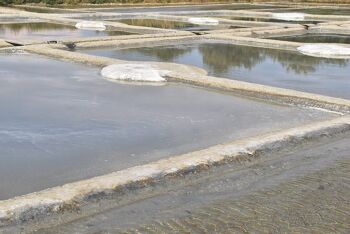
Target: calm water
[[272, 20], [189, 8], [317, 38], [47, 31], [321, 11], [62, 122], [45, 10], [168, 24], [257, 65]]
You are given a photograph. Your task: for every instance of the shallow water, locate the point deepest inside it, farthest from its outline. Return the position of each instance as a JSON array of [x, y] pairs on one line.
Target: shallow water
[[278, 68], [165, 24], [188, 8], [317, 38], [61, 122], [45, 10], [272, 20], [321, 11], [47, 31], [168, 24]]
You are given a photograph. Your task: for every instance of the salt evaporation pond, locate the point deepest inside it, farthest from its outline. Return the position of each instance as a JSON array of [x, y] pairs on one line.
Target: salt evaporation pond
[[285, 69], [61, 122], [319, 11], [155, 23], [316, 38], [48, 31], [188, 8], [258, 19], [168, 24], [46, 10]]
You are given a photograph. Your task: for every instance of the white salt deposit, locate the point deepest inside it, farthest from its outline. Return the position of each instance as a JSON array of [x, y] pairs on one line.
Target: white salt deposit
[[91, 25], [289, 16], [203, 21], [325, 50], [132, 72]]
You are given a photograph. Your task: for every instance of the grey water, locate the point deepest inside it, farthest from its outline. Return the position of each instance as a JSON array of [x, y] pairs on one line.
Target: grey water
[[256, 19], [169, 24], [320, 11], [188, 8], [317, 38], [48, 31], [62, 122]]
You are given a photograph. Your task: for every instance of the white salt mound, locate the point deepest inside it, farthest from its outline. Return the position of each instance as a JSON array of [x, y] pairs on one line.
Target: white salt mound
[[91, 25], [203, 21], [325, 50], [289, 16], [132, 72]]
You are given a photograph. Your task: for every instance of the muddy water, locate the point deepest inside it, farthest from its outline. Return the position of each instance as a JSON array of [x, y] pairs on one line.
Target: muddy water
[[278, 68], [47, 31], [61, 122], [317, 38]]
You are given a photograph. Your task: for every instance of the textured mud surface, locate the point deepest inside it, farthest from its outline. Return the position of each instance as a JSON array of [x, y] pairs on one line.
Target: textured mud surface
[[305, 190]]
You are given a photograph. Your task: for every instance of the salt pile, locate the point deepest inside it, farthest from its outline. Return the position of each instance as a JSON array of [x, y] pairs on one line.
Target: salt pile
[[132, 72], [91, 25], [325, 50], [289, 16], [203, 21]]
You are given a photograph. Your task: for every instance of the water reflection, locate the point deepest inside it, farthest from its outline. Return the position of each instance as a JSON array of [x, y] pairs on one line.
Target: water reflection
[[190, 8], [279, 68], [60, 122], [167, 24], [321, 11], [44, 10], [272, 20], [47, 31], [317, 38], [221, 58]]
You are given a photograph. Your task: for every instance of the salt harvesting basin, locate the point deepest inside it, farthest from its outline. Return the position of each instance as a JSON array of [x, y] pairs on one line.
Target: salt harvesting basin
[[62, 122], [48, 31], [279, 68]]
